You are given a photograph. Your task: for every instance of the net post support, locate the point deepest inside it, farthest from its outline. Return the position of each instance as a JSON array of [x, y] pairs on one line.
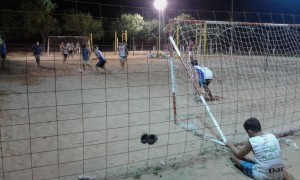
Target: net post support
[[213, 119], [177, 35], [171, 62]]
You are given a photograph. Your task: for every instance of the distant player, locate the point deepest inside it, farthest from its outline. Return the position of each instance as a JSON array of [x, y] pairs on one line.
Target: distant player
[[65, 52], [149, 55], [86, 53], [77, 48], [3, 52], [61, 48], [123, 54], [267, 154], [204, 77], [126, 50], [191, 53], [37, 52], [102, 61], [70, 49]]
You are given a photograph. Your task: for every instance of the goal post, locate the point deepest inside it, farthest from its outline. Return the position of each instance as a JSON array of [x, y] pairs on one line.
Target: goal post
[[188, 125], [251, 63]]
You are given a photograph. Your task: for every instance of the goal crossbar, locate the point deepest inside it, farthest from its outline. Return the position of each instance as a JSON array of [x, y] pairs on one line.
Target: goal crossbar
[[172, 21]]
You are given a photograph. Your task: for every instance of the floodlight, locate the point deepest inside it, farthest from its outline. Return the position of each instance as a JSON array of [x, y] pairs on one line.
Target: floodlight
[[160, 4]]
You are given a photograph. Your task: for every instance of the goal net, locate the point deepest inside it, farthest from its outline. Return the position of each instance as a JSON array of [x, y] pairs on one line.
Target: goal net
[[256, 74]]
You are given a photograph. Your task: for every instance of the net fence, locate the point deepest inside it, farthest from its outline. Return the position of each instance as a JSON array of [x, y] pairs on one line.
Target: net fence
[[59, 123], [256, 68]]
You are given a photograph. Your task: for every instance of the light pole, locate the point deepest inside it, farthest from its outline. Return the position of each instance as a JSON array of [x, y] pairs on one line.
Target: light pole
[[160, 6]]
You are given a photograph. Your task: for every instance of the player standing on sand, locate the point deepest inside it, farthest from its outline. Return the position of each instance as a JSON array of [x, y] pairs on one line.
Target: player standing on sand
[[77, 48], [65, 52], [102, 61], [123, 52], [86, 53], [61, 48], [37, 52]]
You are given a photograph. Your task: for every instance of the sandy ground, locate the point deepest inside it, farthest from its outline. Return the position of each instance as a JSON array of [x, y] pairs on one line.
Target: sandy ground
[[216, 165], [65, 122]]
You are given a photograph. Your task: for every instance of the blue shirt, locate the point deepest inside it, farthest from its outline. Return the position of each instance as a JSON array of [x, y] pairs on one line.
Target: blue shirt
[[37, 50], [3, 49], [85, 54]]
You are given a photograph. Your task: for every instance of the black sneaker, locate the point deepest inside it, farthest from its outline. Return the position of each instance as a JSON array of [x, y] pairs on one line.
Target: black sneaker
[[152, 139], [144, 138]]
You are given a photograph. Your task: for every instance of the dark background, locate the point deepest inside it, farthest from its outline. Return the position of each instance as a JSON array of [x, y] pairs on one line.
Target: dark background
[[270, 11], [262, 6]]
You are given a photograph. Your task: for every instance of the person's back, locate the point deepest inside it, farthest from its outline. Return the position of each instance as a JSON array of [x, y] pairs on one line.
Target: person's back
[[203, 73], [268, 164]]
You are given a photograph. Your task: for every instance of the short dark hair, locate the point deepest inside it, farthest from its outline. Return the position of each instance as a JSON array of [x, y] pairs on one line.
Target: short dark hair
[[252, 124]]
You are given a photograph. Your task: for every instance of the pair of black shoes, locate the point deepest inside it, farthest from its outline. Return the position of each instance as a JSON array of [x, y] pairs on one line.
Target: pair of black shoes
[[150, 139]]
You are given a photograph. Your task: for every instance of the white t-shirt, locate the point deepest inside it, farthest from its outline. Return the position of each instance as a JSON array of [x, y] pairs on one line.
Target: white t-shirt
[[205, 71], [267, 153], [100, 55], [122, 50]]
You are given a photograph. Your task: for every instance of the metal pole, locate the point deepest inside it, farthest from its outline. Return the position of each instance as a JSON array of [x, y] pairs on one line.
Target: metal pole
[[158, 33]]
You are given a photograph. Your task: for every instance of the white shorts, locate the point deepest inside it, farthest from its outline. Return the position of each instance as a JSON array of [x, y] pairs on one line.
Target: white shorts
[[85, 62], [191, 53]]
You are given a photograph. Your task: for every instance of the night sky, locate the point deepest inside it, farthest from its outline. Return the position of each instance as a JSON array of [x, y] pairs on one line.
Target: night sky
[[267, 6], [219, 10]]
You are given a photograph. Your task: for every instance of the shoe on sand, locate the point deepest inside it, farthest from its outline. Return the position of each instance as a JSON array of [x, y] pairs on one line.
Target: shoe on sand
[[152, 139], [144, 138]]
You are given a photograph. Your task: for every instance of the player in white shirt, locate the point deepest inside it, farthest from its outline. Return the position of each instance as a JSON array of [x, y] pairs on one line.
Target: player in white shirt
[[123, 52], [204, 76], [267, 163]]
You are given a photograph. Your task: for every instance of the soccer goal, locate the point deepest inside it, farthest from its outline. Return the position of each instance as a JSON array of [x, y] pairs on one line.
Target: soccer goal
[[55, 41], [255, 74]]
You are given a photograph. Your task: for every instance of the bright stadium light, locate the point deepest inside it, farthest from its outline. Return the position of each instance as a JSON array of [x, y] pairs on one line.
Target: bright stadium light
[[160, 5]]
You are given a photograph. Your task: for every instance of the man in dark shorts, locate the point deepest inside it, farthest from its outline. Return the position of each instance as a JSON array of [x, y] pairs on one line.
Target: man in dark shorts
[[37, 51], [102, 61]]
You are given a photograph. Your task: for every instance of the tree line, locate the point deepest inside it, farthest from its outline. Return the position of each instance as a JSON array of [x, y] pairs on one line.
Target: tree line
[[27, 21]]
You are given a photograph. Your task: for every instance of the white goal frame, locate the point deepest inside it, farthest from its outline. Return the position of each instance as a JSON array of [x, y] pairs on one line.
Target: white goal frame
[[206, 49]]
